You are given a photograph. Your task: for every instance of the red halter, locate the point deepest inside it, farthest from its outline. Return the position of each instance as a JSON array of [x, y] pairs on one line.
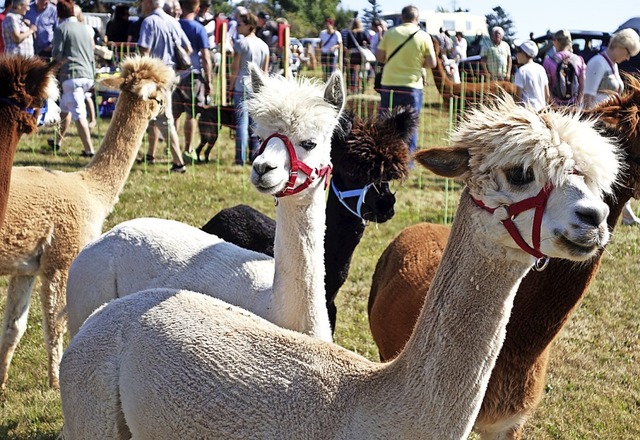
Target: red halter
[[538, 203], [297, 165]]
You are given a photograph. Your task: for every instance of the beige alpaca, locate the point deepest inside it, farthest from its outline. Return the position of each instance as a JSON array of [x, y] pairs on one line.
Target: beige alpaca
[[543, 305], [51, 215], [165, 364]]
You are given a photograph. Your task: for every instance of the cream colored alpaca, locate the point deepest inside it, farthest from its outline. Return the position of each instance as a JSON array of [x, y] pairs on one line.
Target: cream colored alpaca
[[167, 364], [51, 215], [287, 290]]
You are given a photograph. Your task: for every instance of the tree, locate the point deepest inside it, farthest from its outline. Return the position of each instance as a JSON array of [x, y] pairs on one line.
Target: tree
[[502, 19], [370, 14]]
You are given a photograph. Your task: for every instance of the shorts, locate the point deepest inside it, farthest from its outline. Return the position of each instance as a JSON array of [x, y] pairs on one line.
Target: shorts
[[189, 95], [73, 97]]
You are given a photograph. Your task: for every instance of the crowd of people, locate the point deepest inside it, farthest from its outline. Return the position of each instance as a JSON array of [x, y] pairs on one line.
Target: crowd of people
[[55, 30]]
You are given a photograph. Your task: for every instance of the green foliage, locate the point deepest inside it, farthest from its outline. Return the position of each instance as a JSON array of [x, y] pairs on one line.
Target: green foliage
[[501, 18], [370, 13]]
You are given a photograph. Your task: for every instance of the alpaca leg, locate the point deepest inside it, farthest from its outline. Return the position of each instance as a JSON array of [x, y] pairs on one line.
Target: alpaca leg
[[14, 323], [54, 320], [199, 149], [212, 142]]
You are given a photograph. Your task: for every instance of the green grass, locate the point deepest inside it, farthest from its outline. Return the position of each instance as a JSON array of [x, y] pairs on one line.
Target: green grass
[[593, 386]]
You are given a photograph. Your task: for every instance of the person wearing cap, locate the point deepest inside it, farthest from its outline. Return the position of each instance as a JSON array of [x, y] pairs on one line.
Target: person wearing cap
[[563, 51], [330, 42], [496, 57], [532, 84], [603, 78]]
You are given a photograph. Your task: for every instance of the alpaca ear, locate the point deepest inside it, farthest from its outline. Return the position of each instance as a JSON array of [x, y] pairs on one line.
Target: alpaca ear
[[257, 77], [444, 161], [404, 121], [334, 91]]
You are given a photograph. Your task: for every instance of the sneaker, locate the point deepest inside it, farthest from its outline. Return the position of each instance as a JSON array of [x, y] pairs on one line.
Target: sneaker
[[190, 156], [180, 169], [148, 159], [87, 154], [630, 221]]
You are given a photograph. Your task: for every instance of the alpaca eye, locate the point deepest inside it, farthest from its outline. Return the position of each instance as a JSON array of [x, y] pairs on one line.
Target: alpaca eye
[[308, 145], [520, 176]]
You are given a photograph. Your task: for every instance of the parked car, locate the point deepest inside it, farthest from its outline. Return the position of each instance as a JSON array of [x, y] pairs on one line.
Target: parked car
[[585, 43]]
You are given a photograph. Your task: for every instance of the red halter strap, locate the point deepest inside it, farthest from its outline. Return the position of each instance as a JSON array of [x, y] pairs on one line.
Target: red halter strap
[[297, 165], [538, 203]]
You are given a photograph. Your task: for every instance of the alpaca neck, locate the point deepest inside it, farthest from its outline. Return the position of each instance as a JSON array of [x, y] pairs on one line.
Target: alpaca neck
[[344, 232], [298, 284], [109, 169], [10, 137], [445, 367]]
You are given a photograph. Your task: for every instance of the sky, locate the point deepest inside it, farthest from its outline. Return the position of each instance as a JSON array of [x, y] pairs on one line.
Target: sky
[[535, 16]]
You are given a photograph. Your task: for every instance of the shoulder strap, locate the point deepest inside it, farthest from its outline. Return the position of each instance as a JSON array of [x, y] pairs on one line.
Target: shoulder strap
[[609, 62], [400, 47]]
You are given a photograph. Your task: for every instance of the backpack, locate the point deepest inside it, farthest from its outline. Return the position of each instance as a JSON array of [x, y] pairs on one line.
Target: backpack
[[566, 83]]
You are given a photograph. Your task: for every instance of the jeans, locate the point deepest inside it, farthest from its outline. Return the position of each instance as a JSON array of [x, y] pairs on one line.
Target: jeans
[[244, 135], [394, 96], [328, 63]]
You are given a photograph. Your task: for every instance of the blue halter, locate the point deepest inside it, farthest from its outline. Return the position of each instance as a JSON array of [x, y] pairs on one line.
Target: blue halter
[[31, 111], [359, 193]]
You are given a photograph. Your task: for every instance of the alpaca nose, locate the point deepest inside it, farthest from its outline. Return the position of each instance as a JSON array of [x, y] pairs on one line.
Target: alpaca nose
[[262, 168], [592, 215]]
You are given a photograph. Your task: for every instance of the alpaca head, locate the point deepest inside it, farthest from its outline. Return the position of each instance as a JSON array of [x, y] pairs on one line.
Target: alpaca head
[[621, 118], [507, 154], [367, 154], [295, 119], [30, 84], [146, 77]]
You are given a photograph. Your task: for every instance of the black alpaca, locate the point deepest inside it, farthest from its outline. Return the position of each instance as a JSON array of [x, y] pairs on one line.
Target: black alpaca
[[209, 124], [367, 154]]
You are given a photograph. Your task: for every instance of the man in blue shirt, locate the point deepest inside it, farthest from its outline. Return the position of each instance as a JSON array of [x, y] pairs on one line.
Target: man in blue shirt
[[195, 85], [159, 33], [44, 15]]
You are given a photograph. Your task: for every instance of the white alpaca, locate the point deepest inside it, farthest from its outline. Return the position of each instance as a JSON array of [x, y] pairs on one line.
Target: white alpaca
[[287, 290], [164, 364]]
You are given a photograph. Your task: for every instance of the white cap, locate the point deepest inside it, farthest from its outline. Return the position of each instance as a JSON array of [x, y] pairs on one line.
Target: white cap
[[530, 48]]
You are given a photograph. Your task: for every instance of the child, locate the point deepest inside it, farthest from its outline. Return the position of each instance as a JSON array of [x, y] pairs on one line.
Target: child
[[531, 78]]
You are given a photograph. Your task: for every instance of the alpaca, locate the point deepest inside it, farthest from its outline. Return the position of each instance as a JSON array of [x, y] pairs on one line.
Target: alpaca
[[473, 91], [27, 83], [51, 215], [288, 289], [367, 154], [165, 364], [211, 119], [544, 302]]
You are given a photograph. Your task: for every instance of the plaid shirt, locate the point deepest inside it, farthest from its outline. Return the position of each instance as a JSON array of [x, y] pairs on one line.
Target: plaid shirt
[[12, 23]]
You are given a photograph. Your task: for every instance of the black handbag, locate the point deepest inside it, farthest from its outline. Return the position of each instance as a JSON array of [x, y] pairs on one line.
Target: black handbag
[[377, 80]]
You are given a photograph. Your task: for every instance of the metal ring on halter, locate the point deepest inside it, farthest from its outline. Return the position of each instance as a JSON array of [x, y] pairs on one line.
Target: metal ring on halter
[[541, 264]]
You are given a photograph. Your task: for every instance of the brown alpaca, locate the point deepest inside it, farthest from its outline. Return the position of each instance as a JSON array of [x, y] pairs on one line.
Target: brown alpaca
[[51, 215], [543, 304], [26, 83], [474, 92]]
